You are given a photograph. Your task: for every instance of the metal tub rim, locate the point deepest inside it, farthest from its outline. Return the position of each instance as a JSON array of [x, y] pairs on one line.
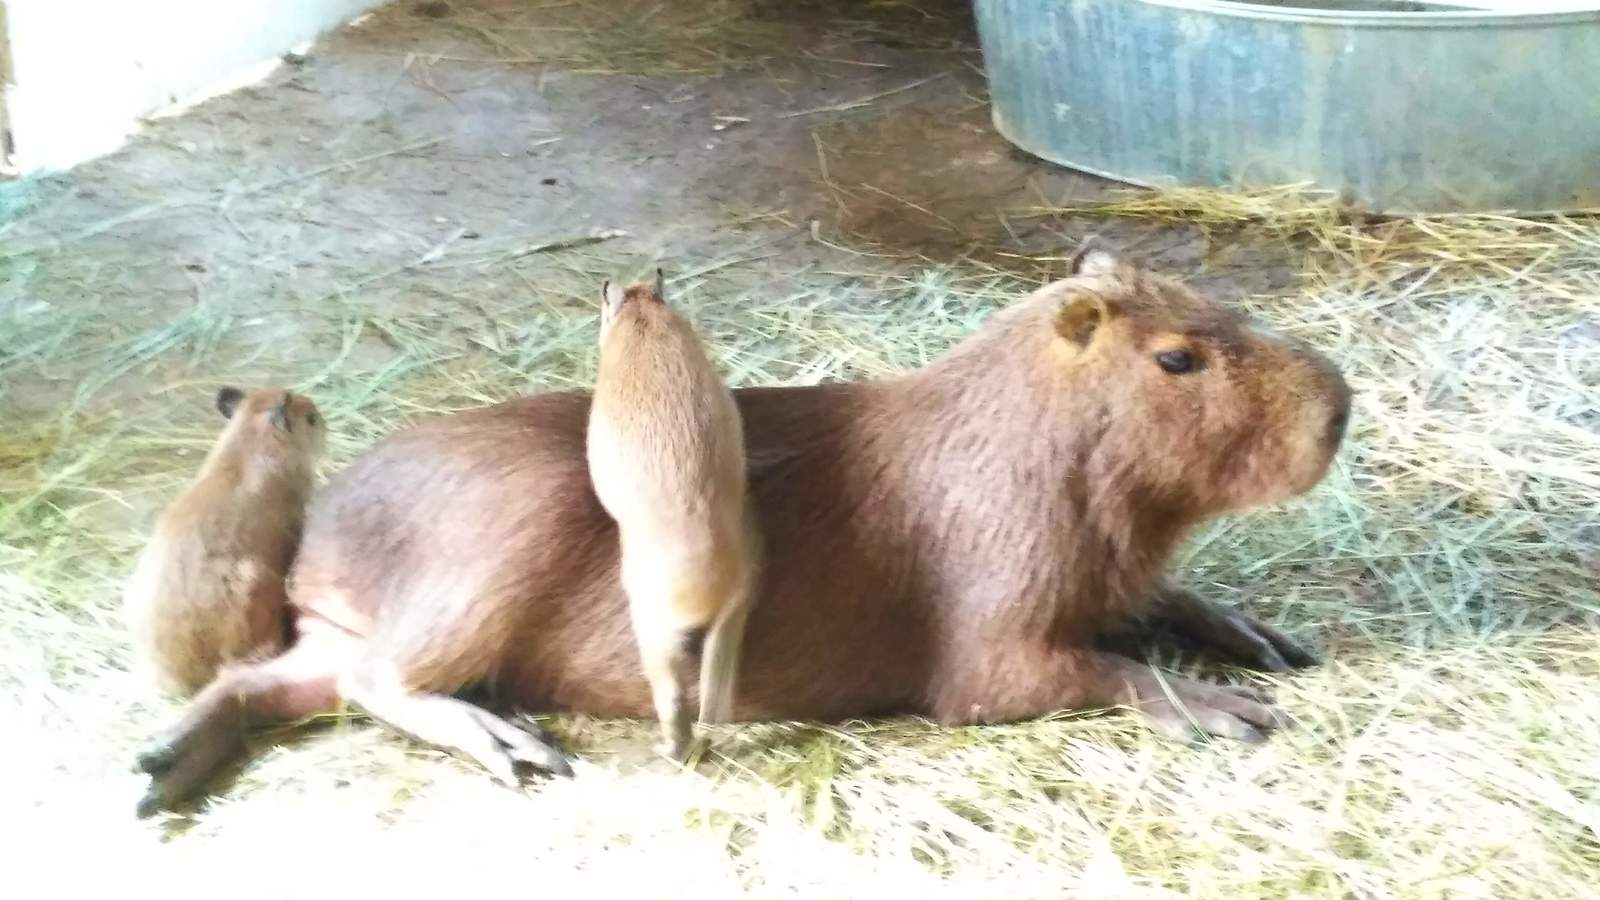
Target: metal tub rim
[[1441, 18]]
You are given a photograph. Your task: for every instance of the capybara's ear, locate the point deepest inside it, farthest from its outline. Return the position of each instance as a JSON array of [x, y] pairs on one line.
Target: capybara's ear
[[280, 413], [228, 400], [661, 284], [1080, 316], [1094, 258], [611, 297]]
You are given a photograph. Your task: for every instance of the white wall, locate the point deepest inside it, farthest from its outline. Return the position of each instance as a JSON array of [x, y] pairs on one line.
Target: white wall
[[86, 71]]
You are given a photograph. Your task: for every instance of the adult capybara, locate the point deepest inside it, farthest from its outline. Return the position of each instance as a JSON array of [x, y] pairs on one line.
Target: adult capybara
[[208, 587], [666, 458], [950, 542]]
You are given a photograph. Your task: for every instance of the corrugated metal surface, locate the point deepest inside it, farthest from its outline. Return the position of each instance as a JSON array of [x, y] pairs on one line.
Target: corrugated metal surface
[[1436, 111]]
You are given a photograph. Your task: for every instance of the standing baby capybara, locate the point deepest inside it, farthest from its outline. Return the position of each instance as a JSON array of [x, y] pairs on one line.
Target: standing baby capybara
[[208, 588], [953, 542], [666, 454]]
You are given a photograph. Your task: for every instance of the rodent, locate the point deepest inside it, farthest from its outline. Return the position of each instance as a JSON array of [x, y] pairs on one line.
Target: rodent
[[665, 447], [949, 542], [207, 589]]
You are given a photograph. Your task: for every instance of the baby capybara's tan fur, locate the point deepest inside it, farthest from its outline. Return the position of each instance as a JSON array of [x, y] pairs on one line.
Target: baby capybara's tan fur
[[951, 542], [208, 588], [666, 455]]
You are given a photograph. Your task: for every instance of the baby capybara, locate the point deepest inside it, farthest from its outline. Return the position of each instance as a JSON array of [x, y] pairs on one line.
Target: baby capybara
[[208, 588], [666, 455]]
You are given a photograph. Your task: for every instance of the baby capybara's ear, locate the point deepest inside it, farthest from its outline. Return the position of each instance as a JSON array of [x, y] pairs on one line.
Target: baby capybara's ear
[[228, 400], [661, 284], [280, 413], [611, 298], [1094, 258], [1081, 316]]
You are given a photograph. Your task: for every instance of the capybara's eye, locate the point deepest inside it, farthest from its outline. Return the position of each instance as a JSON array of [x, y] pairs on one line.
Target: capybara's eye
[[311, 419], [1176, 362]]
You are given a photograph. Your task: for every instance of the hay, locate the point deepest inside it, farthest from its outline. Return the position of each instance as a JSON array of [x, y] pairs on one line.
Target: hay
[[640, 38], [1283, 211], [1448, 569], [645, 37]]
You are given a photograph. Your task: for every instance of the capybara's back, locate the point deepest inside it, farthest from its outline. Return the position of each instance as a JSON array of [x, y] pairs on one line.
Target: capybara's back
[[208, 588], [666, 455]]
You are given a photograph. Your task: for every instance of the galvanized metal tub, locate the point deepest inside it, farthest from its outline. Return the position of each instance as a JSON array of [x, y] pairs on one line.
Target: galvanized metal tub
[[1437, 109]]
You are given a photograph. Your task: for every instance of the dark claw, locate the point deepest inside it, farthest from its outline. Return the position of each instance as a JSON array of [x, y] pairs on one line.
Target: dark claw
[[1268, 658], [1283, 649], [155, 761], [1237, 635], [547, 748], [1255, 695], [149, 804], [542, 757], [527, 743], [1253, 735], [1299, 657], [539, 732]]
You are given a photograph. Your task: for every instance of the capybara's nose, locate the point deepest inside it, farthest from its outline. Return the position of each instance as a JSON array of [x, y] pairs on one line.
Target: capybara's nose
[[1337, 423], [1332, 385], [1339, 417]]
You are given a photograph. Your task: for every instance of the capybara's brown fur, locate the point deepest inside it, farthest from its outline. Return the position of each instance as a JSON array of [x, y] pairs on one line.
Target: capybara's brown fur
[[666, 457], [208, 588], [950, 542]]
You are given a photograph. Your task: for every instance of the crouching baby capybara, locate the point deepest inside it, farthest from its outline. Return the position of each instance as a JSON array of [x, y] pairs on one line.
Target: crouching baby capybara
[[208, 588]]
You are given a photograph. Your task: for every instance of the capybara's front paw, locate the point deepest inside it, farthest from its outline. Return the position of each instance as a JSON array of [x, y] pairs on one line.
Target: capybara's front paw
[[1179, 707], [1234, 634], [1263, 647]]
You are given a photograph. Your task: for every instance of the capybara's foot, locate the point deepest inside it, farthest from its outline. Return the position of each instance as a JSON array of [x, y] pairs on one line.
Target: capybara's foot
[[1246, 641], [668, 657], [454, 726], [524, 743], [1179, 707], [180, 768], [677, 736], [243, 697]]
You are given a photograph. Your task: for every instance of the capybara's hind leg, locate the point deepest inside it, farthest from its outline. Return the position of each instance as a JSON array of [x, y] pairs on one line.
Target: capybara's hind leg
[[212, 733], [667, 653], [719, 661], [1232, 633], [452, 725]]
